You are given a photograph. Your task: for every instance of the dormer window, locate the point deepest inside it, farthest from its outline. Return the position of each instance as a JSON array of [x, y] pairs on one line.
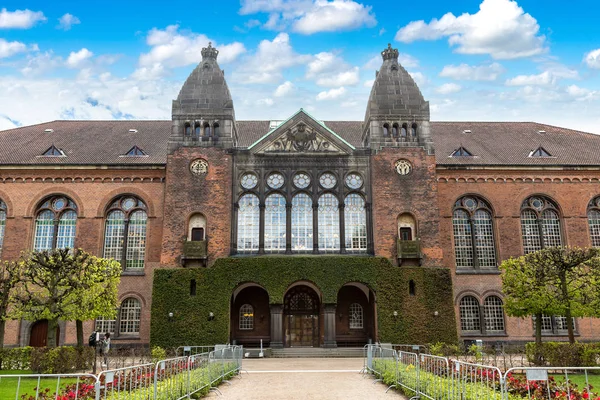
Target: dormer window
[[135, 152], [461, 152], [53, 151], [540, 152]]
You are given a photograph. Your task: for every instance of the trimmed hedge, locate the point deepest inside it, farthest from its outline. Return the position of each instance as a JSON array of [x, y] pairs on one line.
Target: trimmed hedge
[[190, 324], [565, 354], [61, 360], [15, 358]]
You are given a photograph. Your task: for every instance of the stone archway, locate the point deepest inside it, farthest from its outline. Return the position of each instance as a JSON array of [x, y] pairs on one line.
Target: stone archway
[[301, 322], [250, 317], [355, 309]]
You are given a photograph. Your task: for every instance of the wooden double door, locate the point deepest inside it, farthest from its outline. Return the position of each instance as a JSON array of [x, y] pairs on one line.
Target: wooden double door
[[301, 317], [39, 333]]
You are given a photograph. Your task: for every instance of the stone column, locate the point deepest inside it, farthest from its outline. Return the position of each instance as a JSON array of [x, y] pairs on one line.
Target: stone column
[[276, 326], [261, 228], [329, 325]]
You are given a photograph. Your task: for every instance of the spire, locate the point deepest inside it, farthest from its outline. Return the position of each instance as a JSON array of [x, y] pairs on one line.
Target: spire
[[209, 52], [389, 53]]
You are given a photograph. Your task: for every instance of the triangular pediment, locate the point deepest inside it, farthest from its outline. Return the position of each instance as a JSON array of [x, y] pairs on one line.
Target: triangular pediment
[[302, 134]]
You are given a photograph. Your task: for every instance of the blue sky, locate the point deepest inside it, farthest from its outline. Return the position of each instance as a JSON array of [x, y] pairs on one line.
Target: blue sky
[[473, 59]]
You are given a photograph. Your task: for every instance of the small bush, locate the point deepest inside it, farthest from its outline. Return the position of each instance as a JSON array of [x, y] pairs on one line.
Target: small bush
[[15, 358], [60, 360], [560, 354], [158, 353]]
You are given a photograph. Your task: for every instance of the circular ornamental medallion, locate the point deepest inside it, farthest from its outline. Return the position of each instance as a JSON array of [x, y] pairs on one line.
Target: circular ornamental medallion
[[403, 167], [199, 167]]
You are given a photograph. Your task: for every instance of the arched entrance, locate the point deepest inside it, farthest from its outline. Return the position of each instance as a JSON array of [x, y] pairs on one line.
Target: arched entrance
[[39, 333], [356, 315], [250, 316], [301, 309]]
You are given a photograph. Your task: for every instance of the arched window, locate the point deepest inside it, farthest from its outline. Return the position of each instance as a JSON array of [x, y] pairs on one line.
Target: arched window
[[207, 131], [197, 228], [395, 130], [474, 245], [493, 314], [2, 223], [197, 130], [126, 217], [329, 223], [104, 325], [248, 224], [407, 227], [188, 129], [302, 223], [540, 224], [216, 130], [470, 321], [55, 224], [413, 130], [404, 131], [386, 130], [129, 317], [593, 221], [355, 220], [356, 316], [246, 317], [412, 288], [275, 223]]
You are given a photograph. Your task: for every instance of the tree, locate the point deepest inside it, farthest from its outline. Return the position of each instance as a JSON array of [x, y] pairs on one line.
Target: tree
[[9, 277], [66, 285]]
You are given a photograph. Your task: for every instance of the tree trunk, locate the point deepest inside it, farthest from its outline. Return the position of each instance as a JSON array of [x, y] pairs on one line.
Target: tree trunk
[[79, 325], [538, 339], [51, 335], [570, 327], [565, 293], [2, 325]]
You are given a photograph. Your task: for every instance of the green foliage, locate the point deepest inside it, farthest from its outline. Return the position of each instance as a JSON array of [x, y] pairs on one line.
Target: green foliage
[[9, 278], [442, 349], [415, 322], [158, 353], [16, 358], [565, 354], [61, 360]]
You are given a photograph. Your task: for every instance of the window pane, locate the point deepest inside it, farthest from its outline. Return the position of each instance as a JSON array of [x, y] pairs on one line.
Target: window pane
[[246, 317], [493, 313], [469, 314], [130, 316], [114, 234], [356, 316], [275, 224], [302, 223], [530, 231], [484, 239], [463, 242], [248, 224], [66, 230], [2, 226], [594, 222], [355, 221], [44, 231], [136, 240], [329, 223], [551, 227], [105, 325]]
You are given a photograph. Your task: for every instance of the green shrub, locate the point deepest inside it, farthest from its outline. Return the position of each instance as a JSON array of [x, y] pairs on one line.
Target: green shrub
[[15, 358], [60, 360], [158, 353], [563, 354]]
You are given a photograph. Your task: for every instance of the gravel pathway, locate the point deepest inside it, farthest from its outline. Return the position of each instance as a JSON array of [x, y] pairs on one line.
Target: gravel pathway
[[304, 379]]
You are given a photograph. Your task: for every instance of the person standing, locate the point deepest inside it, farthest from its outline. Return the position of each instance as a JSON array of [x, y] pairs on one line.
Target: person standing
[[105, 349]]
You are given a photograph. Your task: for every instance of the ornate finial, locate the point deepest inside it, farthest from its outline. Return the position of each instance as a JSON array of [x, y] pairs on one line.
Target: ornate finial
[[389, 53], [209, 52]]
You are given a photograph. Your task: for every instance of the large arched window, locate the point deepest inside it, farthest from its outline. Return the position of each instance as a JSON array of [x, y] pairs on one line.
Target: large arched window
[[126, 218], [329, 223], [275, 224], [474, 245], [470, 321], [248, 224], [540, 224], [55, 224], [2, 223], [355, 220], [129, 317], [356, 316], [302, 223], [593, 221], [246, 317], [493, 314]]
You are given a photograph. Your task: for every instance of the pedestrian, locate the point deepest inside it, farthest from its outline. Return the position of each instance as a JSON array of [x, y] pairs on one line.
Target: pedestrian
[[105, 349]]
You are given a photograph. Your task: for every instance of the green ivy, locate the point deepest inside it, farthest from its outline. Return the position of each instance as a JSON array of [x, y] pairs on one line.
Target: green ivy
[[190, 325]]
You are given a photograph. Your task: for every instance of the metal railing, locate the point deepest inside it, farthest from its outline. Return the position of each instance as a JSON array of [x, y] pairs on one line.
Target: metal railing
[[171, 379], [192, 350]]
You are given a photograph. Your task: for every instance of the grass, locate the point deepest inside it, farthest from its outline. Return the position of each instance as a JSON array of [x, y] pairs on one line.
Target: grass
[[579, 380], [8, 385]]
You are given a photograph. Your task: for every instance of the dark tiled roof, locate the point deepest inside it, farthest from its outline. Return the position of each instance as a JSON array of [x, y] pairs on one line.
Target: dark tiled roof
[[104, 142]]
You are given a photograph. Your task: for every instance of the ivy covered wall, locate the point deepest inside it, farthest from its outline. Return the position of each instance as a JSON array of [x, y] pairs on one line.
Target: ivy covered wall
[[416, 321]]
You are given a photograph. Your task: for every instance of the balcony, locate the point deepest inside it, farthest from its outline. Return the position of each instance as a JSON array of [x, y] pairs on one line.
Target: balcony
[[409, 249], [194, 250]]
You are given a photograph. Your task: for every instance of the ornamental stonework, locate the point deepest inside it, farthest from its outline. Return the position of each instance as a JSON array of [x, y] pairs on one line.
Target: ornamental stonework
[[403, 167], [199, 167]]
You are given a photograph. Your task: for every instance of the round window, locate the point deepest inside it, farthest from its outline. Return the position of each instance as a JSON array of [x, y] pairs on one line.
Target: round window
[[128, 203], [537, 203], [354, 181], [327, 180], [249, 181], [59, 204], [275, 180], [470, 203], [301, 180]]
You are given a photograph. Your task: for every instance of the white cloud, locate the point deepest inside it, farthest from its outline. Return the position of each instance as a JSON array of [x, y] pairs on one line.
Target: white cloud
[[311, 16], [9, 49], [419, 78], [331, 94], [550, 77], [79, 58], [67, 21], [265, 102], [329, 70], [269, 61], [582, 94], [500, 28], [448, 88], [41, 63], [369, 83], [171, 48], [20, 19], [592, 59], [284, 89], [473, 73]]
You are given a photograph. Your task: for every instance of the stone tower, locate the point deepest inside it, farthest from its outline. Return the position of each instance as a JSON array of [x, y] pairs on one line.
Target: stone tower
[[203, 113], [397, 114]]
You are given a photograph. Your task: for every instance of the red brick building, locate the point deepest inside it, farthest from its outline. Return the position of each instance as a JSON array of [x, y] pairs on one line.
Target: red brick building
[[203, 186]]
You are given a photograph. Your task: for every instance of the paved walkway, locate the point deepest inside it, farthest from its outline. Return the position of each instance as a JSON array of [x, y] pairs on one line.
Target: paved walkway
[[304, 379]]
